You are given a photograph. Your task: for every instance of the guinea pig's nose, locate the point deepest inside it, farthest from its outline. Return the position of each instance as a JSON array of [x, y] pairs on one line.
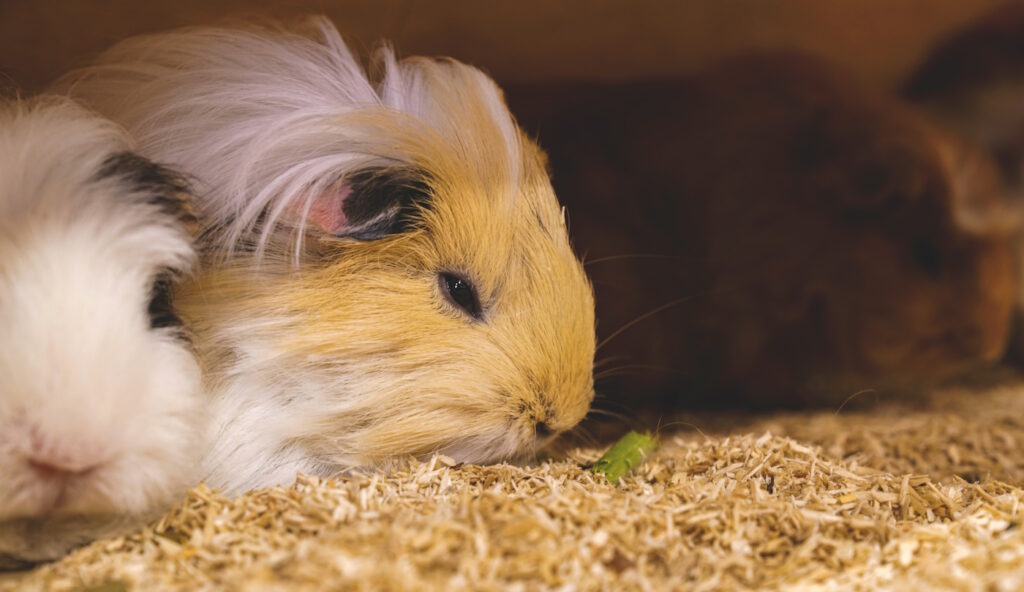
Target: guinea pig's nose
[[543, 430]]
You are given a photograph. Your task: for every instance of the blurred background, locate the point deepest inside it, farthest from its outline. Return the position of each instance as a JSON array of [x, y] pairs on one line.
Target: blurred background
[[780, 203], [521, 40]]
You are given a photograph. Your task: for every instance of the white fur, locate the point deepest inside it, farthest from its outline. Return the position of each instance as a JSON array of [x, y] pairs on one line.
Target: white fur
[[84, 382]]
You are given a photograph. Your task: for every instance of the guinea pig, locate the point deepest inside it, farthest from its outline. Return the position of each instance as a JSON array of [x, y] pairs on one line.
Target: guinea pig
[[100, 417], [388, 271], [770, 231], [973, 83]]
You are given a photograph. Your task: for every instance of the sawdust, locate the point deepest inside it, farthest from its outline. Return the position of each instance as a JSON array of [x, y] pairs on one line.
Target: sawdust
[[911, 497]]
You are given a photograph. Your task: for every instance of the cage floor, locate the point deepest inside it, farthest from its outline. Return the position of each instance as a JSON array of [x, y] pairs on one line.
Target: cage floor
[[915, 496]]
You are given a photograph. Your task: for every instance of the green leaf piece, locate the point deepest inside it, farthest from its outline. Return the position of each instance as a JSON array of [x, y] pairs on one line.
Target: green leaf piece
[[625, 455]]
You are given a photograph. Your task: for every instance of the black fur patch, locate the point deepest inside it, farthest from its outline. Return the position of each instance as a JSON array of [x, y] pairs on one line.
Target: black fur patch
[[162, 187], [161, 308], [170, 193], [383, 202]]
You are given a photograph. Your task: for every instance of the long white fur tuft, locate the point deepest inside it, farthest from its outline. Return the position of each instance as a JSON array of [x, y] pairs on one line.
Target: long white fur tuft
[[269, 119]]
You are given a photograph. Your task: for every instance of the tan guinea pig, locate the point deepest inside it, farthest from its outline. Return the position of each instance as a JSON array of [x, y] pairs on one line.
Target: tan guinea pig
[[794, 236], [388, 271]]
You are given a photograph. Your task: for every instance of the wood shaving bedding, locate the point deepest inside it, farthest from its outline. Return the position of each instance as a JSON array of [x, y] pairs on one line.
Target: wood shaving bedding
[[923, 498]]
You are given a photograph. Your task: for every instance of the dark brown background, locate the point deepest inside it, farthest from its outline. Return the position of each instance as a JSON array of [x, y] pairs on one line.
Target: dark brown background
[[528, 40]]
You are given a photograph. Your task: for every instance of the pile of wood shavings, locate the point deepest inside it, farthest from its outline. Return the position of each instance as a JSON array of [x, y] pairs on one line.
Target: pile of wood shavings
[[956, 432], [749, 511]]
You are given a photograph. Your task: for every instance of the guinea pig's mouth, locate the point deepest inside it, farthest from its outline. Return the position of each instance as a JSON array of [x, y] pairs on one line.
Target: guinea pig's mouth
[[508, 445], [50, 498], [52, 494], [512, 441], [516, 444]]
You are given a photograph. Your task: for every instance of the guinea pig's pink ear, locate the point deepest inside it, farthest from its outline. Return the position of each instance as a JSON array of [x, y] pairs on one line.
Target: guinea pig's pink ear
[[369, 205]]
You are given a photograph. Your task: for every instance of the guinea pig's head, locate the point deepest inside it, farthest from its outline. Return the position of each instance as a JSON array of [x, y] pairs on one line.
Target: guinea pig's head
[[469, 330], [973, 82], [927, 284], [792, 233], [916, 274], [99, 418], [853, 242], [436, 306]]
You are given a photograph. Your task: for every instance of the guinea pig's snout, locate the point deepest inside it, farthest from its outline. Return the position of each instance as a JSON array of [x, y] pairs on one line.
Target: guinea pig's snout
[[50, 459], [546, 423], [544, 430], [51, 474], [540, 423], [55, 470]]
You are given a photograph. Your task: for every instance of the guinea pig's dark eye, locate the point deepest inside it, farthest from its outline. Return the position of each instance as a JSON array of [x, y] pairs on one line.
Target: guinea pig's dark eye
[[461, 293], [928, 257]]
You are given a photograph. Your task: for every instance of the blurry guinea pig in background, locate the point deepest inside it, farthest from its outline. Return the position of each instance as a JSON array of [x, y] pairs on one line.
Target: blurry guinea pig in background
[[100, 415], [773, 232], [973, 82], [387, 269]]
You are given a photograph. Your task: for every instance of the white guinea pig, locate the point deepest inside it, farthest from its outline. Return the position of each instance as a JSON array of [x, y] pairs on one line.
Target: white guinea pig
[[389, 271], [99, 389]]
